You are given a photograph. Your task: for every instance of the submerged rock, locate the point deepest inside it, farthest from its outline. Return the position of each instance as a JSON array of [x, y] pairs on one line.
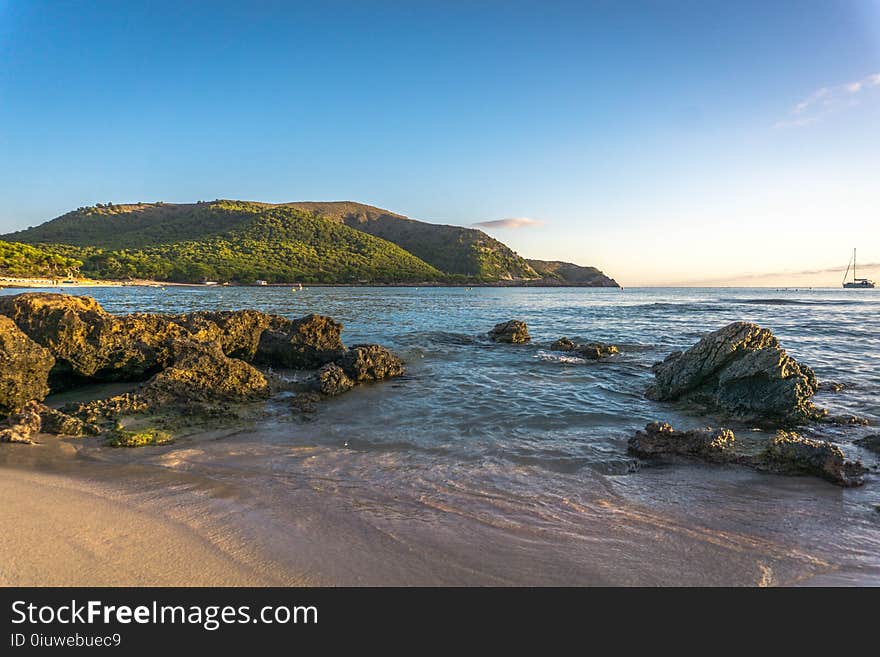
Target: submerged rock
[[24, 368], [201, 372], [332, 380], [870, 443], [589, 351], [511, 332], [306, 343], [784, 453], [22, 425], [741, 371]]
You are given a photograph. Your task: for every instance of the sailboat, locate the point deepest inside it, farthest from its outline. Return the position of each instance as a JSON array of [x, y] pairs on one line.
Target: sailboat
[[855, 282]]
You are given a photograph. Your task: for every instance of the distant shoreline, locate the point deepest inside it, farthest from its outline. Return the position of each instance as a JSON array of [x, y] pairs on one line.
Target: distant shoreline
[[25, 283]]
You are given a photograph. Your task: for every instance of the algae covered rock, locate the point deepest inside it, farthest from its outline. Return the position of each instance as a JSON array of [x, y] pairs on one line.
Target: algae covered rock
[[741, 371], [24, 368], [510, 332], [201, 372], [141, 438], [307, 343], [588, 351]]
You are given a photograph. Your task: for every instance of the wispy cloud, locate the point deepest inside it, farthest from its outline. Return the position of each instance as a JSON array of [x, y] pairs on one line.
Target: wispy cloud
[[512, 222], [827, 100]]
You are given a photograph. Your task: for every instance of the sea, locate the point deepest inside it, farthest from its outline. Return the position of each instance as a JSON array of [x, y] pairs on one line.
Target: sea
[[496, 464]]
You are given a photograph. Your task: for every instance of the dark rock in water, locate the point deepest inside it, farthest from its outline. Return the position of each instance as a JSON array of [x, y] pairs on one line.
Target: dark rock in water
[[785, 453], [563, 344], [307, 343], [332, 380], [589, 351], [741, 371], [370, 362], [660, 439], [54, 421], [22, 425], [789, 453], [870, 443], [306, 402], [24, 368], [512, 332], [845, 420], [832, 386], [201, 372]]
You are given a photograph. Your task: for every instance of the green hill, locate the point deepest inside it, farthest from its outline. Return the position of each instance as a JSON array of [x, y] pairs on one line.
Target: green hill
[[565, 273], [25, 261], [452, 249], [334, 242]]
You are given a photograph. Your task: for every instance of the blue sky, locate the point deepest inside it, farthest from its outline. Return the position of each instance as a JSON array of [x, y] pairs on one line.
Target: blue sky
[[665, 142]]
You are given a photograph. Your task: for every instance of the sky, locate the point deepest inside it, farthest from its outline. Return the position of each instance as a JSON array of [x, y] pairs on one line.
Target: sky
[[674, 142]]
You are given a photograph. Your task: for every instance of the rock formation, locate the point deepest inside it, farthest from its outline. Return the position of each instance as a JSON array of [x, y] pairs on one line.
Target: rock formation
[[741, 372], [24, 368], [784, 453]]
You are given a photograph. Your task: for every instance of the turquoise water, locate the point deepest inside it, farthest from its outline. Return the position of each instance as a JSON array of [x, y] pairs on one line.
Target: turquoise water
[[507, 464]]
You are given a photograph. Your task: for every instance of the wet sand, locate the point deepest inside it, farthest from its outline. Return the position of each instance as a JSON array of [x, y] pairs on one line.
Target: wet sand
[[59, 533]]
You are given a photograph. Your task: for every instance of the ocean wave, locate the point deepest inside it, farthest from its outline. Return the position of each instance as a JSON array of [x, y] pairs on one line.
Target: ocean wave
[[548, 357], [797, 302]]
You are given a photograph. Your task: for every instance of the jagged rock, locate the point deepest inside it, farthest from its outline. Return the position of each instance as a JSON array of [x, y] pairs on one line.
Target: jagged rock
[[785, 453], [24, 368], [301, 343], [237, 331], [870, 443], [103, 411], [660, 439], [832, 386], [201, 372], [54, 421], [370, 362], [589, 351], [22, 425], [789, 453], [741, 371], [332, 380], [512, 332], [87, 341]]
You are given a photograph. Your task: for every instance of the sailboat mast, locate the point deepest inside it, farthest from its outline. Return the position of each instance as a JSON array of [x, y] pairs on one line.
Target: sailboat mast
[[854, 265]]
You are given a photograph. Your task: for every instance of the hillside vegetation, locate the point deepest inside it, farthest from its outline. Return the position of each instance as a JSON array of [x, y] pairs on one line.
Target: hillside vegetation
[[25, 261], [334, 242]]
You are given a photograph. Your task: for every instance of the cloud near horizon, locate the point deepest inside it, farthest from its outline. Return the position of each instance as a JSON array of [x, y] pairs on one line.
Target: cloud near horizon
[[511, 222], [826, 100]]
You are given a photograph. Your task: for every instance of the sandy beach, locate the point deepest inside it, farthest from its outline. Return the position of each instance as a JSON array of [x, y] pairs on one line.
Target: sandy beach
[[67, 535]]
